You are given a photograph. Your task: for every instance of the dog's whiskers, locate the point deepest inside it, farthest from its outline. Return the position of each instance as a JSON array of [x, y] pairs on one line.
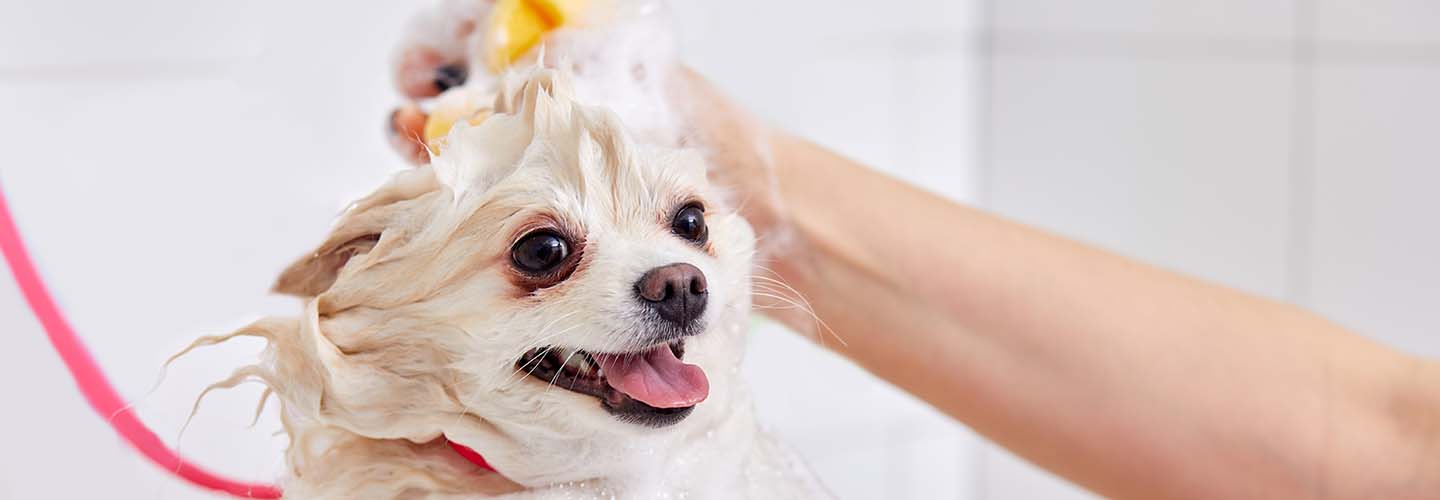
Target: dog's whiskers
[[788, 294], [526, 369], [547, 336], [540, 342], [820, 324], [546, 395]]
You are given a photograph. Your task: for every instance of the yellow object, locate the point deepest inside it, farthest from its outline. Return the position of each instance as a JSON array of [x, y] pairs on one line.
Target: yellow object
[[439, 123], [517, 25], [560, 12]]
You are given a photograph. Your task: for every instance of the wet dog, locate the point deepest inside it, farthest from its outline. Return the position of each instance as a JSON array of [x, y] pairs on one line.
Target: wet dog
[[558, 289]]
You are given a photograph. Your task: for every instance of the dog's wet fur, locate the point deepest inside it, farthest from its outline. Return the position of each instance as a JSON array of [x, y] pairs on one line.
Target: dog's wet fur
[[419, 316]]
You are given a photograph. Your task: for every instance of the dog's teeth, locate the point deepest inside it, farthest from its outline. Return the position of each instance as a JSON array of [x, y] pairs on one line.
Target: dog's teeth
[[577, 363]]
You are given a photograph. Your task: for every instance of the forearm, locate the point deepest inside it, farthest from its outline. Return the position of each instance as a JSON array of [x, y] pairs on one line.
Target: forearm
[[1131, 380]]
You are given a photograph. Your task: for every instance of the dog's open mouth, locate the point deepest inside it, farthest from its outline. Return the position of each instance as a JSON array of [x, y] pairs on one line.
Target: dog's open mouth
[[649, 387]]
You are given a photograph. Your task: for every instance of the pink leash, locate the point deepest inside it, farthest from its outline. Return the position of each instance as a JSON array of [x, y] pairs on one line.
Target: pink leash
[[93, 384]]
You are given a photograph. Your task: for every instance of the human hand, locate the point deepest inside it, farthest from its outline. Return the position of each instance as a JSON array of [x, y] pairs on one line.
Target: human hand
[[434, 56]]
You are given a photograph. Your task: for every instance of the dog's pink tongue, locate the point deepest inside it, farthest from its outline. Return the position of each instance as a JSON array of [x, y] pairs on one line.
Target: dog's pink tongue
[[656, 378]]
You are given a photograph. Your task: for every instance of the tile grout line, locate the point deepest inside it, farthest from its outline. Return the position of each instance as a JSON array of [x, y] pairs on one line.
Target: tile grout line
[[984, 190], [1162, 47], [1303, 172], [1302, 162], [118, 71], [984, 155], [900, 72]]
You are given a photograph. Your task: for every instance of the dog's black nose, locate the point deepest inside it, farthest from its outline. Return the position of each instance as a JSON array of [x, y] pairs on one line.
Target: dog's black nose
[[450, 75], [676, 292]]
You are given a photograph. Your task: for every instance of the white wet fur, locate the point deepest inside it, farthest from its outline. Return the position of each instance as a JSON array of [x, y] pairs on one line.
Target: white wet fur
[[413, 321]]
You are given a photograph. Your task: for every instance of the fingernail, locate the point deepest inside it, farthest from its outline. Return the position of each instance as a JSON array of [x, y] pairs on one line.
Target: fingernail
[[449, 76]]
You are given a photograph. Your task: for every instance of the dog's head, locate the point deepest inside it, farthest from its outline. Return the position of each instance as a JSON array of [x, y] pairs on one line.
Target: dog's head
[[548, 291]]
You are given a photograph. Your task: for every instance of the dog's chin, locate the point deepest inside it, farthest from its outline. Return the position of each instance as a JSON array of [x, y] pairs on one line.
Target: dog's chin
[[580, 372]]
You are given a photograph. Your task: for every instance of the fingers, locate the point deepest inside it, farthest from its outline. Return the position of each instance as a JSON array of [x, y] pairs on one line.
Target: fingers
[[431, 61], [406, 132], [433, 57], [426, 72]]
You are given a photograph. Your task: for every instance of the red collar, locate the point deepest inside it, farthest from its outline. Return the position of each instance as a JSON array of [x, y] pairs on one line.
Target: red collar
[[471, 455]]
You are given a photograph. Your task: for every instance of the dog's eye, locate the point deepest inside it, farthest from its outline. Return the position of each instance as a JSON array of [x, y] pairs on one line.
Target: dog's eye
[[689, 223], [539, 252]]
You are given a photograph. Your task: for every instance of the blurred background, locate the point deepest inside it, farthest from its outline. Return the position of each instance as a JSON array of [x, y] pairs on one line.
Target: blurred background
[[166, 158]]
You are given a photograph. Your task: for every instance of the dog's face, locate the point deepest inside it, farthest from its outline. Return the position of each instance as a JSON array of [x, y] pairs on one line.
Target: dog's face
[[548, 293]]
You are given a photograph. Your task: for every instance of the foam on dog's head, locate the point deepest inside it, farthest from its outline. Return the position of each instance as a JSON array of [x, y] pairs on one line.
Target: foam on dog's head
[[415, 318]]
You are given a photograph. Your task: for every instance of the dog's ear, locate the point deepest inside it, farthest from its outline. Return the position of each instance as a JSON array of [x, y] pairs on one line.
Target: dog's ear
[[313, 274], [356, 234]]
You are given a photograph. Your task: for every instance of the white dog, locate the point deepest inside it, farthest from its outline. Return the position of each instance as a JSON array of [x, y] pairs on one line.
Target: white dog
[[559, 290]]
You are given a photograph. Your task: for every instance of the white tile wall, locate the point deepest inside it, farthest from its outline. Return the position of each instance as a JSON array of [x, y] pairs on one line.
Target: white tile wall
[[130, 35], [864, 438], [805, 27], [1388, 21], [1195, 136], [1376, 236], [1180, 163], [56, 434], [1005, 476], [1217, 18], [938, 140], [139, 268], [892, 87]]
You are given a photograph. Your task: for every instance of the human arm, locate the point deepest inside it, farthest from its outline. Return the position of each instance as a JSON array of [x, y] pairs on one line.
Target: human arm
[[1131, 380]]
